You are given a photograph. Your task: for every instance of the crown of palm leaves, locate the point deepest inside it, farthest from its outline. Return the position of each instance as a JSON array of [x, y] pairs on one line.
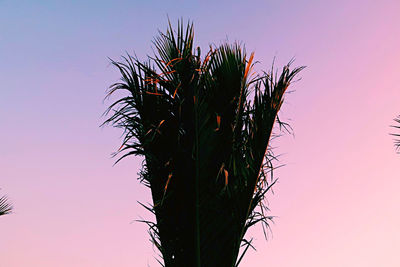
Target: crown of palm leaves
[[203, 126]]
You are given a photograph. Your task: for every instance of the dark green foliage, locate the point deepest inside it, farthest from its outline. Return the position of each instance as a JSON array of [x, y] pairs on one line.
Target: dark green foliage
[[5, 206], [203, 125]]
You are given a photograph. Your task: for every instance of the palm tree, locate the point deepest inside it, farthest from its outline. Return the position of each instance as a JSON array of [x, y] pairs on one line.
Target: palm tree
[[203, 125], [5, 207]]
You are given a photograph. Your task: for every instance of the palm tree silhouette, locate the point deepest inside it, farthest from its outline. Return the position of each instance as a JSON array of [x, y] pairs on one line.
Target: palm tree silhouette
[[203, 125]]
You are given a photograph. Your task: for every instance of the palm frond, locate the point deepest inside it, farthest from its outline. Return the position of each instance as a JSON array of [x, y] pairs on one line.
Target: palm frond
[[397, 135], [5, 206]]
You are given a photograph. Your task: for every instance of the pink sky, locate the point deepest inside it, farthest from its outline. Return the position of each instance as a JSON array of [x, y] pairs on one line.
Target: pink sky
[[337, 201]]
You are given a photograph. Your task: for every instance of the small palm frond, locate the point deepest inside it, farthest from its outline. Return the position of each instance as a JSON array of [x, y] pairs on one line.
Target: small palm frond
[[397, 135], [5, 206]]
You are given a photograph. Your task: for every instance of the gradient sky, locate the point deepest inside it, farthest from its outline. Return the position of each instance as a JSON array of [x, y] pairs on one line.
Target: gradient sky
[[337, 202]]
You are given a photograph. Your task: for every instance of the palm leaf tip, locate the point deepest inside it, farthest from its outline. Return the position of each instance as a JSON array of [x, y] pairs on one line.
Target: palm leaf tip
[[5, 206], [396, 135]]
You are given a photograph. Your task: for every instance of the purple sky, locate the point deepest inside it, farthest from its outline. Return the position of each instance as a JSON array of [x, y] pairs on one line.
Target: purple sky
[[337, 202]]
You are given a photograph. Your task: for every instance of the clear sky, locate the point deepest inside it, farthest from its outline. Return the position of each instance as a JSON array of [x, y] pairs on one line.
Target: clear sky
[[337, 202]]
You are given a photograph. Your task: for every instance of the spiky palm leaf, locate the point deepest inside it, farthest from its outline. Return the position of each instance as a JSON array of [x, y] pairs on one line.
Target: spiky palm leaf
[[5, 206], [203, 126], [397, 135]]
